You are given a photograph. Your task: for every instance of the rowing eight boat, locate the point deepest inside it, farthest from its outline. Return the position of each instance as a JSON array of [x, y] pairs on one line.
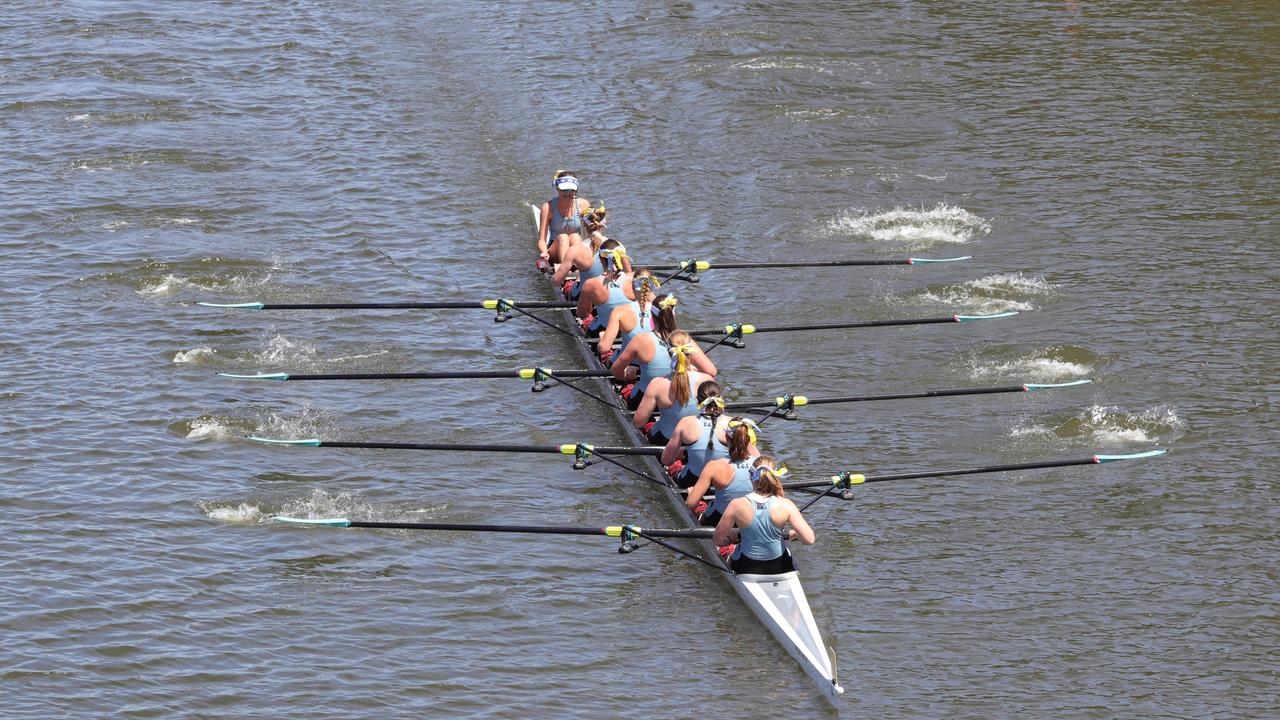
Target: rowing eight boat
[[777, 600]]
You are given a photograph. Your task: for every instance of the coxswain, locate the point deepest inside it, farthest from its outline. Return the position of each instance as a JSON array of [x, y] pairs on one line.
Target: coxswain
[[584, 257], [560, 221], [673, 397], [757, 524], [612, 288], [701, 438], [730, 477]]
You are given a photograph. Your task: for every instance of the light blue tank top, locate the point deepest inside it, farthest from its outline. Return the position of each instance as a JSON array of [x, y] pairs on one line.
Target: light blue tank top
[[707, 448], [603, 311], [560, 224], [596, 270], [740, 486], [659, 366], [761, 540], [643, 325], [667, 420]]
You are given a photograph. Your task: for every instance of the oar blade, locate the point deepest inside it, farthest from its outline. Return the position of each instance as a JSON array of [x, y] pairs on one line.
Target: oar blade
[[1134, 456], [332, 522], [1046, 386], [310, 442], [234, 306], [257, 376], [923, 261], [994, 316]]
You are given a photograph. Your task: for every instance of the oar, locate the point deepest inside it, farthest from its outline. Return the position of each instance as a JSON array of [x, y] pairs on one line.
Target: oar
[[845, 480], [689, 269], [448, 305], [523, 374], [786, 403], [617, 531], [733, 333], [579, 449]]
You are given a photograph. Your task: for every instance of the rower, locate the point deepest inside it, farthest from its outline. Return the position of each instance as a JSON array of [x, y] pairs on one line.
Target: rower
[[757, 523], [651, 358], [730, 477], [674, 397], [600, 295], [697, 359], [701, 437], [584, 257], [559, 223], [627, 321]]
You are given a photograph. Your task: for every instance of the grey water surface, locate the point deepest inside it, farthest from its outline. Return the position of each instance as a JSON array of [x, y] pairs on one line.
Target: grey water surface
[[1112, 168]]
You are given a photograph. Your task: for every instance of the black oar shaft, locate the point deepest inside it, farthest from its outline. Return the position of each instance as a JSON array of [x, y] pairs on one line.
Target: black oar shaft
[[612, 531], [444, 305], [567, 449], [467, 527], [799, 264], [959, 471], [448, 375], [748, 404], [826, 326]]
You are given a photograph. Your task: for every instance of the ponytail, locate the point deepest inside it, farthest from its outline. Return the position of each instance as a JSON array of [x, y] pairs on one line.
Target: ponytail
[[679, 377], [664, 318], [741, 434], [766, 478]]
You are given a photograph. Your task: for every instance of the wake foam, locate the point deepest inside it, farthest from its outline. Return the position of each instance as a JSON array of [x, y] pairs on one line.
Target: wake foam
[[943, 224]]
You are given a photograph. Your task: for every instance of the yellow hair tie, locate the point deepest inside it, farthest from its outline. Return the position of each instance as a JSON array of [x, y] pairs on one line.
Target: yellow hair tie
[[687, 348], [679, 363], [713, 400], [750, 425], [667, 302]]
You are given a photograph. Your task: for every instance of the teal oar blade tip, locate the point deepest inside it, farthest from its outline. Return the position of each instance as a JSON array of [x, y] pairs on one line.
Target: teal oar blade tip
[[257, 376], [1045, 386], [920, 261], [334, 522], [312, 442], [235, 306], [971, 318], [1135, 456]]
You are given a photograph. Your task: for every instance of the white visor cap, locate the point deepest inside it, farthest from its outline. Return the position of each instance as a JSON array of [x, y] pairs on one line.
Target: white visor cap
[[567, 183]]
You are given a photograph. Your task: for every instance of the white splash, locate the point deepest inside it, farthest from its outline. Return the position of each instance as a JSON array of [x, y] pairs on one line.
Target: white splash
[[280, 350], [208, 428], [194, 355], [241, 514], [167, 285], [1033, 369], [916, 228], [991, 294]]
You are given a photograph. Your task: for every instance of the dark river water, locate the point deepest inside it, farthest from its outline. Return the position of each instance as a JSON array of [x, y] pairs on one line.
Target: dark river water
[[1111, 167]]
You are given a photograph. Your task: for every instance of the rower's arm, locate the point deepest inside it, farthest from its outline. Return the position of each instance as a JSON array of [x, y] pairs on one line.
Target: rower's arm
[[804, 533], [704, 483], [610, 333], [724, 534], [621, 362], [587, 297], [671, 452], [649, 402], [703, 363]]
